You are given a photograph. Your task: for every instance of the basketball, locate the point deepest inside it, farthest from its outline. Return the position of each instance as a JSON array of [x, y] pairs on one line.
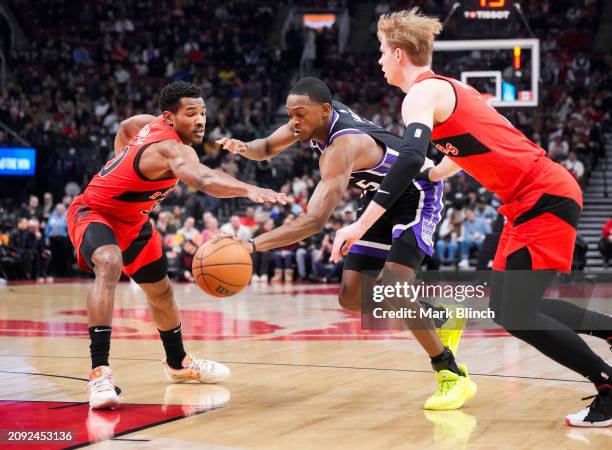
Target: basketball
[[222, 267]]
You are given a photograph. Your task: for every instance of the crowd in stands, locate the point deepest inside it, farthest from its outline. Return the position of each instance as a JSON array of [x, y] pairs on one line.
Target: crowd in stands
[[81, 74], [86, 66], [575, 103]]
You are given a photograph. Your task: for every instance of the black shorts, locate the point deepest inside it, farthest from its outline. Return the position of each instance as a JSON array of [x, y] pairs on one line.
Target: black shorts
[[404, 234]]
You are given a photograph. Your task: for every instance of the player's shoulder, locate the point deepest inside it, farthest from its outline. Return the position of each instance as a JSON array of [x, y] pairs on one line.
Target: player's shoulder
[[428, 87], [427, 91], [346, 147], [169, 147]]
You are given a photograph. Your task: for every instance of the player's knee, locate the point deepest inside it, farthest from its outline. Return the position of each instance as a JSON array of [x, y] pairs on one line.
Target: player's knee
[[349, 298], [107, 263], [394, 272], [162, 293]]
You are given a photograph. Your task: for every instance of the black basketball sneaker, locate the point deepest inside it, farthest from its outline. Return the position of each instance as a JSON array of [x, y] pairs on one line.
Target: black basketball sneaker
[[597, 414]]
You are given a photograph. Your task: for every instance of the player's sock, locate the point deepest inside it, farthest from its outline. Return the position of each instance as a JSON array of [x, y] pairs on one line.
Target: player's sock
[[99, 348], [173, 345], [445, 361]]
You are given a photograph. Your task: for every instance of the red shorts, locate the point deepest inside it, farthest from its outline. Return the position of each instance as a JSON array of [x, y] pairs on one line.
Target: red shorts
[[543, 217], [141, 245]]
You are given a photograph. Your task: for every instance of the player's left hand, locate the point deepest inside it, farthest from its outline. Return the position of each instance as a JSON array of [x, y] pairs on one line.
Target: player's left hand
[[247, 245], [260, 195], [345, 238], [427, 164]]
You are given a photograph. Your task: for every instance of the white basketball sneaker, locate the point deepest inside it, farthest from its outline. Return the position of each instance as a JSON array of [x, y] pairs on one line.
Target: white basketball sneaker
[[597, 414], [101, 389], [197, 369]]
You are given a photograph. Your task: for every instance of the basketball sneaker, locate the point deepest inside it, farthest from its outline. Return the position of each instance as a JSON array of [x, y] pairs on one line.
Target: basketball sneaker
[[597, 414], [453, 391], [101, 387], [197, 369], [451, 330]]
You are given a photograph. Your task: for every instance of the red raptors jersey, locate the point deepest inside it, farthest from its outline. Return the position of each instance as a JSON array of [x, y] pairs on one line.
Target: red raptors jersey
[[120, 190], [484, 143]]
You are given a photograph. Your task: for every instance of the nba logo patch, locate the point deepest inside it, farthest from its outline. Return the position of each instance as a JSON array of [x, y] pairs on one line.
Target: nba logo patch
[[417, 133]]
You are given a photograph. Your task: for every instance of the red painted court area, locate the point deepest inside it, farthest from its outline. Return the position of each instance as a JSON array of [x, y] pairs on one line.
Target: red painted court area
[[85, 426]]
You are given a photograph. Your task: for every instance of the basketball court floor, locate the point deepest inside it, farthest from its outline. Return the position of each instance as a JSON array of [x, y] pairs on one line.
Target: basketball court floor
[[304, 376]]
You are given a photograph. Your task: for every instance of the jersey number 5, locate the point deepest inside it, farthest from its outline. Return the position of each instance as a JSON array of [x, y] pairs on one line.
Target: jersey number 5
[[113, 163], [367, 185]]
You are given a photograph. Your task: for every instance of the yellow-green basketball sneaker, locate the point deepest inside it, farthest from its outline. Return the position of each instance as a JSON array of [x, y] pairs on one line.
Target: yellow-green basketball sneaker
[[453, 390]]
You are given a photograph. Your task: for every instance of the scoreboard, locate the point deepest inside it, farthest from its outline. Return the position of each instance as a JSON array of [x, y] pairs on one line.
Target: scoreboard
[[487, 10]]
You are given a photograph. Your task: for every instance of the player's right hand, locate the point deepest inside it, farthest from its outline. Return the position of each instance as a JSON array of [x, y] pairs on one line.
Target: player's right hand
[[235, 146], [261, 195]]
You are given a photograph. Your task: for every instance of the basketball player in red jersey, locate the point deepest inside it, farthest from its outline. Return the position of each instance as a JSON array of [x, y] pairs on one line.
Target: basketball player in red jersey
[[110, 229], [542, 202]]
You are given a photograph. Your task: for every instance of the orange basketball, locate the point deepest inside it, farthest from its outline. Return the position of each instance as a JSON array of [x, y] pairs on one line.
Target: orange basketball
[[222, 267]]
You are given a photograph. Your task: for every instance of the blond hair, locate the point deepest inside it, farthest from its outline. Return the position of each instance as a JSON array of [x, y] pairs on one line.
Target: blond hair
[[411, 31]]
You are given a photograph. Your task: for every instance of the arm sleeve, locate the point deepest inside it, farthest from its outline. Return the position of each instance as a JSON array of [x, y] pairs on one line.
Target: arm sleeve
[[410, 159]]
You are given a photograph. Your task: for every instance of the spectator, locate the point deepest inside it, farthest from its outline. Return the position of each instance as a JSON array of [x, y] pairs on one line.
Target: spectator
[[188, 249], [20, 246], [248, 219], [485, 211], [325, 270], [605, 243], [262, 261], [284, 257], [574, 165], [163, 224], [229, 165], [212, 230], [33, 209], [56, 235], [41, 257], [558, 148], [449, 236], [47, 207], [476, 228], [236, 229], [189, 232]]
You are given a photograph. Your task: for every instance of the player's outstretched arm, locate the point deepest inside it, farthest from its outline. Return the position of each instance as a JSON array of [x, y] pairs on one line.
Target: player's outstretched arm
[[336, 167], [263, 148], [446, 168], [184, 163], [129, 128]]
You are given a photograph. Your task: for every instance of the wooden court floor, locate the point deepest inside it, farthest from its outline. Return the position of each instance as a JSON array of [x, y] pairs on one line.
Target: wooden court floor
[[304, 376]]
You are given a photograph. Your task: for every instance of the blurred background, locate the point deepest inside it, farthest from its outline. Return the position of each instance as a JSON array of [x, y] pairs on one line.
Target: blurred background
[[70, 71]]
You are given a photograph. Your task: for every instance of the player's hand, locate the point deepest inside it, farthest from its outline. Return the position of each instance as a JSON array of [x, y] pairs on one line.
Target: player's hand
[[345, 238], [235, 146], [247, 245], [427, 164], [261, 195]]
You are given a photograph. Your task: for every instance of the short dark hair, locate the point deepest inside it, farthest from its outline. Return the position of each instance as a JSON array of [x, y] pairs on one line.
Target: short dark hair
[[170, 96], [314, 88]]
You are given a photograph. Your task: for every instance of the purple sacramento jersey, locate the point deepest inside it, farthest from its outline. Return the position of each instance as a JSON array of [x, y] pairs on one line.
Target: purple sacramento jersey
[[419, 208]]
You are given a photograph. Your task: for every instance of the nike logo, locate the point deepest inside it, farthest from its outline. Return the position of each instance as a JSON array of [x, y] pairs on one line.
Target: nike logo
[[100, 330], [176, 331], [384, 192]]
